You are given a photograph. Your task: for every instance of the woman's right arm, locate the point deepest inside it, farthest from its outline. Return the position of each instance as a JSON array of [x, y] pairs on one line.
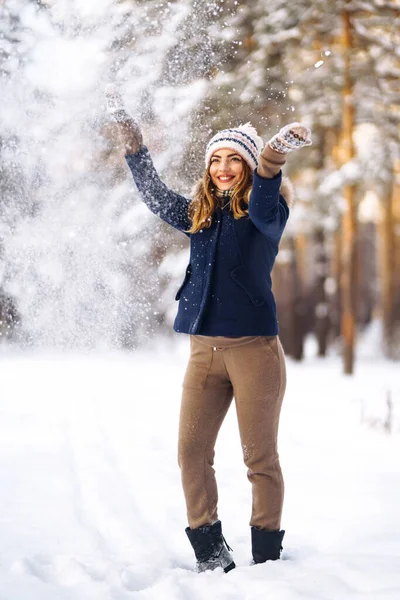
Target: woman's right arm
[[163, 202]]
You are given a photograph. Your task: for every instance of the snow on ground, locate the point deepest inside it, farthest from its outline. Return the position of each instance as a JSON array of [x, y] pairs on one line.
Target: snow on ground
[[91, 505]]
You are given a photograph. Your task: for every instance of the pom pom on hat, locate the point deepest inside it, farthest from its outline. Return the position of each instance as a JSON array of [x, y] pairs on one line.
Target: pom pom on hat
[[243, 139]]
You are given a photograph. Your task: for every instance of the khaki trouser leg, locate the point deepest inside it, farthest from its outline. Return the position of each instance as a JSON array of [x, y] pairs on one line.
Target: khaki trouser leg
[[253, 368], [258, 375], [207, 395]]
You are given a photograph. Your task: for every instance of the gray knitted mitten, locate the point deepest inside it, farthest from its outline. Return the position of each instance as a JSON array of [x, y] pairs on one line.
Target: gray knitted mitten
[[128, 128], [290, 137], [115, 105]]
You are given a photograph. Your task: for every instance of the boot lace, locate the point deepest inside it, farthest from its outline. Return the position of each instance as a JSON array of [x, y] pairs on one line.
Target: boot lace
[[227, 545]]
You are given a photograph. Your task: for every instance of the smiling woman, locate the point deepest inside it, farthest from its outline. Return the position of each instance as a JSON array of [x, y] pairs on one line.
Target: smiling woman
[[235, 221]]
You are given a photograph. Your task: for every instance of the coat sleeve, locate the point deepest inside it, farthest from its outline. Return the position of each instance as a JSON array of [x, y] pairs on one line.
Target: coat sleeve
[[163, 202], [268, 209]]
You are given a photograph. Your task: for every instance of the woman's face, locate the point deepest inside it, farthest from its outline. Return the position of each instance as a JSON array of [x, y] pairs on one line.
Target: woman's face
[[226, 168]]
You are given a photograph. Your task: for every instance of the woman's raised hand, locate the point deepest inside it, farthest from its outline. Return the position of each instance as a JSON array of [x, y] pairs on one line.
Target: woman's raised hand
[[127, 128], [291, 137]]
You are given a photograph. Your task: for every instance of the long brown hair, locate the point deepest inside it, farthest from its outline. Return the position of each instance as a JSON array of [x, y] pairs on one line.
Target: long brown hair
[[203, 204]]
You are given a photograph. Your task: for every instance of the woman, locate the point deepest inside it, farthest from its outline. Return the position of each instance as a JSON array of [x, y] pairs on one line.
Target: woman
[[235, 221]]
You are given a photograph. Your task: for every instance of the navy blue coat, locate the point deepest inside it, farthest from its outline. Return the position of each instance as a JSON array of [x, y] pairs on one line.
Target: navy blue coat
[[227, 286]]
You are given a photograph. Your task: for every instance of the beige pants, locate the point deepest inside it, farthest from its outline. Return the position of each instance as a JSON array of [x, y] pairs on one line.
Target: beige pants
[[251, 369]]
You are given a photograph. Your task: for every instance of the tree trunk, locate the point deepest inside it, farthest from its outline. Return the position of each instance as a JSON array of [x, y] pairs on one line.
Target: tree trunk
[[396, 276], [322, 321], [349, 222], [388, 270], [390, 298], [297, 312], [337, 274]]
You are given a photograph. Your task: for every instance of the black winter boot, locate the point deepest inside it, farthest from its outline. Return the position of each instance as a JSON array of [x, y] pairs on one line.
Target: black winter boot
[[266, 545], [210, 548]]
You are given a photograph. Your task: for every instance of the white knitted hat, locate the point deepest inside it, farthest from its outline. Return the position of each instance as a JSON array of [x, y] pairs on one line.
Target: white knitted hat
[[243, 140]]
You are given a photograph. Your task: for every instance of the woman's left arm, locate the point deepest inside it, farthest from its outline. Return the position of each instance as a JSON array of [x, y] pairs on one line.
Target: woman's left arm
[[268, 209]]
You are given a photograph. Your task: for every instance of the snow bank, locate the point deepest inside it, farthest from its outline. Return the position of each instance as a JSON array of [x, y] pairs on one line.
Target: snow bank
[[91, 503]]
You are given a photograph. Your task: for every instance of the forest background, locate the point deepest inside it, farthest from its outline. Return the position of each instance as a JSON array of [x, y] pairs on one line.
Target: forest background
[[84, 264]]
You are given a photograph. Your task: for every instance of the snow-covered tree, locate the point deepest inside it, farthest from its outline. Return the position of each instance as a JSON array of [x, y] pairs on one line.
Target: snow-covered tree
[[81, 255]]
